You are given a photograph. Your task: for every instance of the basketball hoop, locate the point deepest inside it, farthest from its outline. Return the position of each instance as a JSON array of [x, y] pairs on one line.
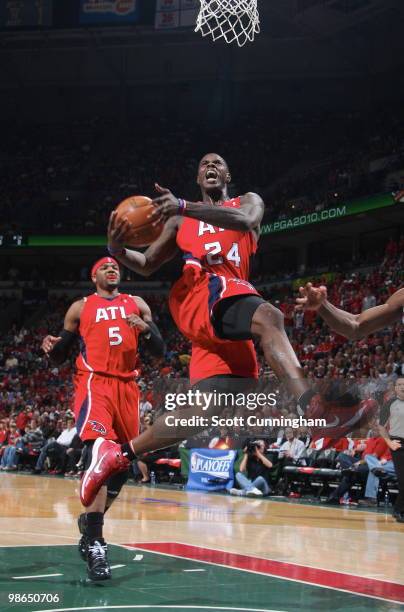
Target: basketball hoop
[[234, 20]]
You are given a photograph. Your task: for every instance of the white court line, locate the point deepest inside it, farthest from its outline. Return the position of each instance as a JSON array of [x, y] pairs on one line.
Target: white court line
[[138, 558], [158, 607], [116, 566], [194, 570], [37, 576]]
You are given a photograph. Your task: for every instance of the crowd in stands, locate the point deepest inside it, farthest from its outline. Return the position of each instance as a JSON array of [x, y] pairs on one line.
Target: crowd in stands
[[346, 470], [36, 429], [62, 179]]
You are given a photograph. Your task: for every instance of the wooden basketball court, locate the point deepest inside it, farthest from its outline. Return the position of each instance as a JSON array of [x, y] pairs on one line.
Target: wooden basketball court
[[178, 550]]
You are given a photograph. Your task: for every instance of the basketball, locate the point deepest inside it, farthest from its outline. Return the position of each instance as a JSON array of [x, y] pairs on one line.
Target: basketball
[[137, 210]]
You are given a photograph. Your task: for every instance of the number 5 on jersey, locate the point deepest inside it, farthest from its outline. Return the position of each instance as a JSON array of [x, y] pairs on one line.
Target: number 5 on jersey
[[213, 257], [115, 337]]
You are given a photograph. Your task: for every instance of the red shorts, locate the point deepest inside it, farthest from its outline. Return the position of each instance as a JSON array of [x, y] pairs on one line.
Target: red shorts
[[191, 302], [106, 406]]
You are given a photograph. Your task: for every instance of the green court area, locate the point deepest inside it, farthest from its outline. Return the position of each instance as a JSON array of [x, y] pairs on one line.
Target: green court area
[[155, 582]]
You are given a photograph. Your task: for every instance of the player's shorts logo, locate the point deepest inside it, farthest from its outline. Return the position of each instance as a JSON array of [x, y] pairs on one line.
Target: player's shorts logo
[[98, 427], [240, 281]]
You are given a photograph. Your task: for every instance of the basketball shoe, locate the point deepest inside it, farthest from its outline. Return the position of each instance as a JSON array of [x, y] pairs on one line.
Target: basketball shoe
[[98, 567], [106, 460]]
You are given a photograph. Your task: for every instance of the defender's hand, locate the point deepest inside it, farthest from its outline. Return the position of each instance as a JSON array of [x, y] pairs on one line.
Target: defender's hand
[[311, 298], [48, 343]]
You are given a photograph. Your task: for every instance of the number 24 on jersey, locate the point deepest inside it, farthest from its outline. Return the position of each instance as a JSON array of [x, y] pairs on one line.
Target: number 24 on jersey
[[213, 257]]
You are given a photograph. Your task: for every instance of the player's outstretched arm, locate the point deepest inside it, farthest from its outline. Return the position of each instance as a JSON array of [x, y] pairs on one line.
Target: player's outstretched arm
[[161, 251], [58, 348], [345, 323], [244, 219]]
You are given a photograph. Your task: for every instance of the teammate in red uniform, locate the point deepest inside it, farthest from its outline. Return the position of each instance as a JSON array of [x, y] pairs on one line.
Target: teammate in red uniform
[[106, 402], [213, 304]]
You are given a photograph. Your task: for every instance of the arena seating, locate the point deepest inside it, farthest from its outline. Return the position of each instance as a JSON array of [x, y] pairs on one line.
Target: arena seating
[[71, 180]]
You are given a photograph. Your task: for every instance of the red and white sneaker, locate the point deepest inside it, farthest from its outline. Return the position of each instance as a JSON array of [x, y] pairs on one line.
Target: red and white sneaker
[[107, 459], [340, 420]]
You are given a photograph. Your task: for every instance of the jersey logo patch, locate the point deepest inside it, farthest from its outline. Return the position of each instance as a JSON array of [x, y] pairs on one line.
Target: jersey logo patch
[[240, 281], [98, 427]]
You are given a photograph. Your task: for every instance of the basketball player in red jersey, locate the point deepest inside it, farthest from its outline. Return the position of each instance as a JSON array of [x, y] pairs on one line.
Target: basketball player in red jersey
[[106, 400], [213, 304]]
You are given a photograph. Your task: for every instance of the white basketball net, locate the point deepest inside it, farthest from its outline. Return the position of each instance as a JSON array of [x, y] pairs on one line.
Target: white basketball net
[[234, 20]]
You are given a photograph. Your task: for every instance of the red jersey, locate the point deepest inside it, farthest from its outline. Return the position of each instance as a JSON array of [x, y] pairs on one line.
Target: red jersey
[[107, 344], [375, 446], [21, 420], [219, 251], [217, 266]]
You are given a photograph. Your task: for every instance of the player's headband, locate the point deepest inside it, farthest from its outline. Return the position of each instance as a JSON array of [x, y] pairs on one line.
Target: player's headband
[[101, 262]]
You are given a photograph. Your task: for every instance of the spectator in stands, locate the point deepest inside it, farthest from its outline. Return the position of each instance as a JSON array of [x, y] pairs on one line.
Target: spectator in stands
[[3, 436], [11, 363], [253, 477], [293, 449], [10, 458], [48, 427], [22, 419], [304, 436], [354, 466], [33, 439], [144, 405], [382, 467], [221, 438], [56, 447], [369, 300]]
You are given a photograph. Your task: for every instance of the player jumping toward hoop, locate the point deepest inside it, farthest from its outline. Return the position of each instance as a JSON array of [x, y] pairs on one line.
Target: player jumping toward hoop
[[213, 304], [106, 400]]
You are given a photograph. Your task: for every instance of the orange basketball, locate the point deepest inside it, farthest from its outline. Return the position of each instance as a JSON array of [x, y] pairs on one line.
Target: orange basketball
[[136, 210]]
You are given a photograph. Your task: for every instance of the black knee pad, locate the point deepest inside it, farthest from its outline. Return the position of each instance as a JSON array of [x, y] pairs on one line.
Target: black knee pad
[[115, 484], [88, 453]]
